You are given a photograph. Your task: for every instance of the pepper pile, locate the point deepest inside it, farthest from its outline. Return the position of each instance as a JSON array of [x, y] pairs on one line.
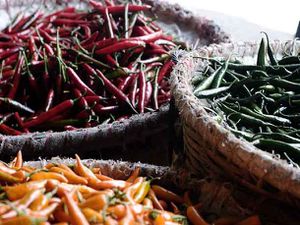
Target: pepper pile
[[78, 195], [257, 102], [72, 68]]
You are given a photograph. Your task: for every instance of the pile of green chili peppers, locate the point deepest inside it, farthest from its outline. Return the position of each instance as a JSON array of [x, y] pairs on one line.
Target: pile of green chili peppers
[[260, 103]]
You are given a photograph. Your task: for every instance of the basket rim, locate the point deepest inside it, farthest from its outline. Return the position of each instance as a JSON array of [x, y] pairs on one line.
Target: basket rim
[[279, 173]]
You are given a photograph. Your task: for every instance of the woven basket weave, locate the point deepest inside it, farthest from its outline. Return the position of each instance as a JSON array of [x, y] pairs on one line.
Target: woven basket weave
[[210, 149], [119, 140], [219, 199]]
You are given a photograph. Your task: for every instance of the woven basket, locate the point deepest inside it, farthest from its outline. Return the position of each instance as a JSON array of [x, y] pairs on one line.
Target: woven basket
[[211, 150], [119, 140], [220, 199]]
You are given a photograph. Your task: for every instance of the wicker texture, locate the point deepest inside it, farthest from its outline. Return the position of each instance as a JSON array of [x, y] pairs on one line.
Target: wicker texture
[[210, 149], [119, 140]]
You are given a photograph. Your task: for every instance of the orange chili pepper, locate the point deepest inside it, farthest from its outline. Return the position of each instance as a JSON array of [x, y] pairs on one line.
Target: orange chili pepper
[[60, 215], [21, 175], [96, 170], [128, 219], [27, 169], [117, 211], [6, 169], [103, 177], [72, 177], [49, 166], [92, 216], [166, 194], [18, 160], [22, 203], [155, 201], [134, 175], [22, 220], [18, 191], [107, 184], [75, 213], [61, 223], [46, 212], [4, 208], [9, 178], [159, 220], [148, 203], [96, 202], [110, 221], [39, 203], [48, 175], [194, 217], [83, 171], [65, 167], [252, 220]]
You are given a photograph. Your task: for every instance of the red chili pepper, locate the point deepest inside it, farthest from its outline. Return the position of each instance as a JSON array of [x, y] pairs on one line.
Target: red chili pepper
[[131, 8], [113, 89], [148, 94], [90, 40], [11, 59], [110, 61], [123, 85], [132, 91], [78, 82], [99, 109], [139, 31], [17, 78], [123, 45], [83, 104], [149, 37], [142, 92], [45, 116], [9, 52], [101, 44], [48, 38], [69, 22], [165, 70], [20, 122], [49, 100], [8, 130], [87, 31], [48, 49], [92, 99]]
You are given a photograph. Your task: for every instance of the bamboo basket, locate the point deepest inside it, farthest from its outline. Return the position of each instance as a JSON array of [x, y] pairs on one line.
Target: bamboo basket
[[210, 149], [119, 140], [219, 199]]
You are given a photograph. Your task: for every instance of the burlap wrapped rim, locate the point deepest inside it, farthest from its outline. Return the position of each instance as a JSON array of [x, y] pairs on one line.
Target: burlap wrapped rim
[[149, 129], [209, 147], [220, 199]]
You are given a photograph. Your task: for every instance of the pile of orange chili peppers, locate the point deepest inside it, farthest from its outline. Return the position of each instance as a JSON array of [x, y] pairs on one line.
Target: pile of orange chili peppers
[[59, 194]]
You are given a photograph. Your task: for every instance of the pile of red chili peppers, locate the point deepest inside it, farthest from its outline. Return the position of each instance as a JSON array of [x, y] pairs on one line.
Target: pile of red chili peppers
[[72, 69]]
